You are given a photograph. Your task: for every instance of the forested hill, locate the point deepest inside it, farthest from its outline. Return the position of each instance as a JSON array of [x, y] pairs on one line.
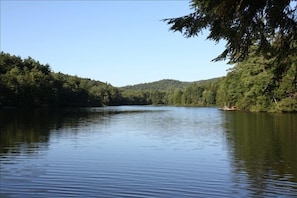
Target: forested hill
[[257, 84], [26, 83], [167, 84], [161, 85]]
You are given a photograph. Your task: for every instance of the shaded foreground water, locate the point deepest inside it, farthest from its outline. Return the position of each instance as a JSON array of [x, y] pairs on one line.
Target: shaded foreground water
[[144, 151]]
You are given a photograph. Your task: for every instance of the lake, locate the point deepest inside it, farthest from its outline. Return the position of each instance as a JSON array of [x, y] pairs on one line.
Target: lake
[[147, 151]]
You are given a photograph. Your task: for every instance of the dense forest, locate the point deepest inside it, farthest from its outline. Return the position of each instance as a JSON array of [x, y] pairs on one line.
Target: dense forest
[[257, 84], [261, 83], [28, 83], [261, 42], [177, 93], [167, 84]]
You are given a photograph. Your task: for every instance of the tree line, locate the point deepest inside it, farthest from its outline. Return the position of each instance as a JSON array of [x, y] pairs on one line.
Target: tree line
[[256, 84], [194, 94], [261, 83], [261, 40], [27, 83]]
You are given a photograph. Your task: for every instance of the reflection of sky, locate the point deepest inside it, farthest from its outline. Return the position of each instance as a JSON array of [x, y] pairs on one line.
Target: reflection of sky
[[149, 143], [188, 129], [170, 150]]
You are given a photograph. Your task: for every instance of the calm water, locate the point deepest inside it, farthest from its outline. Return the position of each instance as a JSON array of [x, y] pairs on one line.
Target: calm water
[[144, 151]]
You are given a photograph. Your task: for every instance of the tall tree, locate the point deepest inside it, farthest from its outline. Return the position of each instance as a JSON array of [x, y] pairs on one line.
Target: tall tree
[[255, 85], [243, 23]]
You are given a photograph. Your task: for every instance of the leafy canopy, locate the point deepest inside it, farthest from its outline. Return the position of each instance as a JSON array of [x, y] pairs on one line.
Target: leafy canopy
[[271, 24]]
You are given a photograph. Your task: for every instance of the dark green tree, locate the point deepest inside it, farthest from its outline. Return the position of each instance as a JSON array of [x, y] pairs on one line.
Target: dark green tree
[[27, 83], [158, 97], [243, 23], [255, 86]]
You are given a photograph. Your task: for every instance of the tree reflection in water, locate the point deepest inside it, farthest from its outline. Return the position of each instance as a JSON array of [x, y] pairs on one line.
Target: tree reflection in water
[[263, 147]]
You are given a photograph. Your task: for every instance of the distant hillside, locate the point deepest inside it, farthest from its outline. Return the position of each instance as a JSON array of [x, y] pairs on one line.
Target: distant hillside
[[201, 82], [166, 84]]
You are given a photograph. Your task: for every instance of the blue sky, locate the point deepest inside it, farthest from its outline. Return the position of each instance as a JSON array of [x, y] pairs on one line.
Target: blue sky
[[119, 42]]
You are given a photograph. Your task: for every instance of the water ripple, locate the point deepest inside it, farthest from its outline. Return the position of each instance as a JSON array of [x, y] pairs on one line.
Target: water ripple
[[172, 152]]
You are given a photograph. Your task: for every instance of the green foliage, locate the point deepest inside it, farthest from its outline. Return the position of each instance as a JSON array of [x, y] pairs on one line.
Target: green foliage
[[258, 84], [162, 85], [288, 104], [242, 24], [135, 97], [27, 83], [261, 40], [171, 92]]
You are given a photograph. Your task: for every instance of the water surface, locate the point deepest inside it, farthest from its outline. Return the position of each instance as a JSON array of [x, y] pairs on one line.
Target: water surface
[[146, 151]]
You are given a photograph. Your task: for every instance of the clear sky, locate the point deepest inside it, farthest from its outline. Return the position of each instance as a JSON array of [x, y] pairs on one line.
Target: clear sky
[[119, 42]]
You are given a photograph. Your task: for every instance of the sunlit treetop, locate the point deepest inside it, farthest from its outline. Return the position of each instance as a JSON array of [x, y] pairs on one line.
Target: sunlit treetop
[[271, 25]]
